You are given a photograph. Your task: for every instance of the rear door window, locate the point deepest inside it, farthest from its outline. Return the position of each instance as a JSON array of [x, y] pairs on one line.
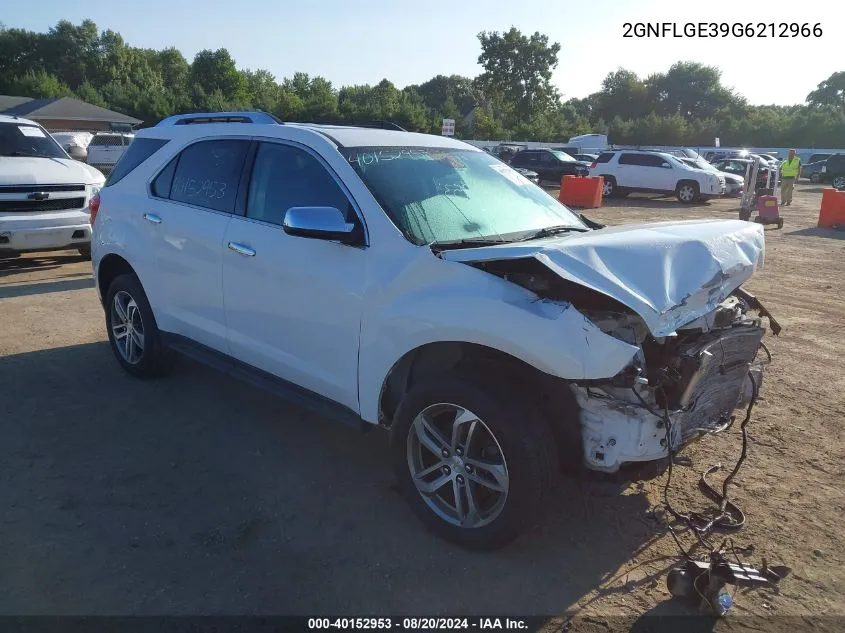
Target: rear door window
[[208, 174]]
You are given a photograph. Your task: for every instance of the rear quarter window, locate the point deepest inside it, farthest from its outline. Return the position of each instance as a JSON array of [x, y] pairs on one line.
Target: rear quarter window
[[604, 157], [134, 155]]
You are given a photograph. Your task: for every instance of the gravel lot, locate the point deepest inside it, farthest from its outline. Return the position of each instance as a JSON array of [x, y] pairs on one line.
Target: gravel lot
[[201, 495]]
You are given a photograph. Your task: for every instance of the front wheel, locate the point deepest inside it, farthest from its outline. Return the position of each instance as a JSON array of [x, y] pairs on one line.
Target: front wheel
[[815, 178], [474, 463], [687, 192]]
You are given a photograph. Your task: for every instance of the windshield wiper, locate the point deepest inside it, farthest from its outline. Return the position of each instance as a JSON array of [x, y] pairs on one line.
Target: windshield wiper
[[470, 242], [550, 231]]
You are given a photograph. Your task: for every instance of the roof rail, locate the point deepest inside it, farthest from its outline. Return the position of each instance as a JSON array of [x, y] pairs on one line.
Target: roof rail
[[381, 125], [193, 118]]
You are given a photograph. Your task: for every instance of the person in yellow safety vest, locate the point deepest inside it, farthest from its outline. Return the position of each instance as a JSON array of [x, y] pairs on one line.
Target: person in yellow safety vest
[[789, 170]]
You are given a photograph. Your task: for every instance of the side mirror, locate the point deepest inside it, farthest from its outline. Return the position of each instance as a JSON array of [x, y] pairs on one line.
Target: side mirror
[[322, 223]]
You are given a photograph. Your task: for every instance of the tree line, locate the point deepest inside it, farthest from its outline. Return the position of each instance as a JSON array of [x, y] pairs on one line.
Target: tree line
[[512, 99]]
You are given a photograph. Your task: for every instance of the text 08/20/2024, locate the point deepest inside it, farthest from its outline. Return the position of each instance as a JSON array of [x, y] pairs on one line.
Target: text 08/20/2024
[[721, 29]]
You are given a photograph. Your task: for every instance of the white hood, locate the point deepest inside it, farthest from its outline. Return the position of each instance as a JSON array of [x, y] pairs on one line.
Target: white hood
[[24, 170], [670, 273]]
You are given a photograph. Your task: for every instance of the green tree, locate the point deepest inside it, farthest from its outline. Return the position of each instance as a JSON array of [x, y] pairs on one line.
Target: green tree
[[623, 94], [830, 92], [519, 67], [215, 71], [691, 90], [38, 85]]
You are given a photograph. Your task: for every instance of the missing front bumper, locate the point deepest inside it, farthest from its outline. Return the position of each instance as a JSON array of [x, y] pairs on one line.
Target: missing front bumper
[[622, 426]]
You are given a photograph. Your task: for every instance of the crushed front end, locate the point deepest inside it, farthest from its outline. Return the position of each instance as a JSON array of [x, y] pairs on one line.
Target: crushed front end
[[678, 387]]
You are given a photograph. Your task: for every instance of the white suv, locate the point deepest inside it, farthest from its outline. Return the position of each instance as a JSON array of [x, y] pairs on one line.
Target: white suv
[[626, 171], [44, 193], [417, 283]]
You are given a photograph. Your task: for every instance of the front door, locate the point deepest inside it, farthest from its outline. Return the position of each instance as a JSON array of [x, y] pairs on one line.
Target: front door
[[293, 304]]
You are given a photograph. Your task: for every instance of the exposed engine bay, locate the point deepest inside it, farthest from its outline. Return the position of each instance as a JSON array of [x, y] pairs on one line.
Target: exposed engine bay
[[695, 379]]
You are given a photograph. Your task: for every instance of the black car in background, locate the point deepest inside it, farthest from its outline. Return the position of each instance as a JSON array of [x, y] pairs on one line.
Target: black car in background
[[833, 171], [550, 165]]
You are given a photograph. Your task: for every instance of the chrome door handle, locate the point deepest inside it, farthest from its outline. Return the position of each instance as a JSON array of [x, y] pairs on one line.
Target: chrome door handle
[[152, 217], [240, 249]]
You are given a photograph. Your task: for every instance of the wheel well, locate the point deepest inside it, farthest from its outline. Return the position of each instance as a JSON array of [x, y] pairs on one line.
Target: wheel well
[[687, 180], [111, 267], [552, 394]]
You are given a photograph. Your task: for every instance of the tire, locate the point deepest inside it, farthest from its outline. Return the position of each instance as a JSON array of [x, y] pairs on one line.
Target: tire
[[609, 188], [687, 191], [508, 431], [85, 251], [153, 359], [839, 183], [815, 178]]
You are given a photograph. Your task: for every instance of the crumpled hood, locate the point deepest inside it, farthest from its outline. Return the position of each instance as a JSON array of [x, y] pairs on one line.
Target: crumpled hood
[[670, 273], [26, 170]]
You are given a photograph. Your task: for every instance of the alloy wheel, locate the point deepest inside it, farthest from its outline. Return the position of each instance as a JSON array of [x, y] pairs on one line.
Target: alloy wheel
[[839, 182], [686, 193], [457, 465], [127, 327]]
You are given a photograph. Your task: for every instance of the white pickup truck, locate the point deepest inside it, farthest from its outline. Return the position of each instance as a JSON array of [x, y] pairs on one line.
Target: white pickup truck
[[106, 148], [44, 194]]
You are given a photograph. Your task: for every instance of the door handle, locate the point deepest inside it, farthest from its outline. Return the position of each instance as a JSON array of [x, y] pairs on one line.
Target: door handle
[[152, 217], [240, 249]]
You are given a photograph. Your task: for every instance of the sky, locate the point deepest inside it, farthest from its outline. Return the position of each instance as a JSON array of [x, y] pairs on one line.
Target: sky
[[365, 41]]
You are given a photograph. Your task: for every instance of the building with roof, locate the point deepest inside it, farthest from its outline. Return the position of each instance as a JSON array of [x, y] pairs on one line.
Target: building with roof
[[64, 113]]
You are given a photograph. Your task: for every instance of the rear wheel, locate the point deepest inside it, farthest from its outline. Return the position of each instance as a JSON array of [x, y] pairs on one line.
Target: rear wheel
[[85, 251], [609, 188], [133, 334], [687, 191], [474, 463], [839, 182]]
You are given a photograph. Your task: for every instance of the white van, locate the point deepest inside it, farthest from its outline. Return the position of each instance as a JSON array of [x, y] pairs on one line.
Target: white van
[[44, 193]]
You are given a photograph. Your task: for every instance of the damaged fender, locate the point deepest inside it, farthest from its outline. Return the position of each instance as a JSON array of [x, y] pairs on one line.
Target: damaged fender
[[405, 311]]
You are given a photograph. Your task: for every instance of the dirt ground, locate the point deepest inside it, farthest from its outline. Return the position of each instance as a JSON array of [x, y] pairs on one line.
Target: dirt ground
[[201, 495]]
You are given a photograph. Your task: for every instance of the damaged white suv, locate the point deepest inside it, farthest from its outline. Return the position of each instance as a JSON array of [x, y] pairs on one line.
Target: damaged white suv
[[418, 283]]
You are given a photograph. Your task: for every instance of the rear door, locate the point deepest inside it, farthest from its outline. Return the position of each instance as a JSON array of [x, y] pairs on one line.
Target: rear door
[[193, 198]]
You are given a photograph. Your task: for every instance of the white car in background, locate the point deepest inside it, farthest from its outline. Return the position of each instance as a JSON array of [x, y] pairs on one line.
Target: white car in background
[[106, 148], [733, 183], [627, 171], [44, 194]]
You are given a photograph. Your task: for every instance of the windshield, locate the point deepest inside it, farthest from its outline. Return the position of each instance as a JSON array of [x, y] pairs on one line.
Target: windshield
[[566, 158], [444, 194], [20, 139], [700, 163]]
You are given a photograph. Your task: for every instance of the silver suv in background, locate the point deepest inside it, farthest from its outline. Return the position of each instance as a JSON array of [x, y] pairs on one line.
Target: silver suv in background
[[106, 148]]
